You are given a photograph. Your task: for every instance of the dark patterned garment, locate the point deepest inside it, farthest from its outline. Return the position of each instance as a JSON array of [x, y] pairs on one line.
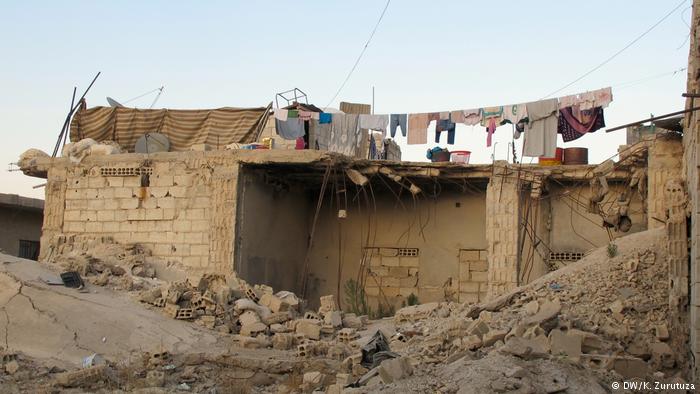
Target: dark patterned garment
[[574, 123]]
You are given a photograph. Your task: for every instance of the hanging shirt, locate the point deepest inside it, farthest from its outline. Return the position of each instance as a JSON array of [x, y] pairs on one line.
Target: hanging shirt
[[290, 129], [472, 116], [325, 117], [292, 113], [418, 129], [374, 122], [491, 117], [306, 115], [281, 114], [573, 123], [346, 136], [514, 113], [457, 116], [541, 130]]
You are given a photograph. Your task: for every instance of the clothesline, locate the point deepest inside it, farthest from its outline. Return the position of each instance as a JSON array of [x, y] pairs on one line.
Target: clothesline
[[540, 121]]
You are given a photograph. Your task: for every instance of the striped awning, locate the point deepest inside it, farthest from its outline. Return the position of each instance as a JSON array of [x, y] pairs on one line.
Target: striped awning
[[215, 127]]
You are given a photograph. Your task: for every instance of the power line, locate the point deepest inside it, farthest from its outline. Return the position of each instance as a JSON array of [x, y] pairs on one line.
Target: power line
[[628, 84], [361, 54], [606, 61]]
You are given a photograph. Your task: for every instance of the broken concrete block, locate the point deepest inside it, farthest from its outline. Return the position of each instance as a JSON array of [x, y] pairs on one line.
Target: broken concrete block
[[661, 331], [531, 307], [290, 298], [630, 367], [493, 336], [207, 321], [548, 311], [185, 314], [274, 303], [395, 369], [150, 296], [524, 348], [328, 304], [662, 355], [589, 342], [276, 318], [155, 378], [485, 316], [11, 367], [565, 343], [350, 320], [248, 317], [471, 342], [347, 335], [333, 318], [314, 378], [617, 307], [478, 328], [278, 328], [247, 342], [282, 341], [309, 328], [82, 376], [171, 310], [415, 312], [253, 329]]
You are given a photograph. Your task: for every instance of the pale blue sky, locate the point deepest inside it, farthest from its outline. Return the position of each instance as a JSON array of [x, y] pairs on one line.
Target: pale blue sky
[[425, 56]]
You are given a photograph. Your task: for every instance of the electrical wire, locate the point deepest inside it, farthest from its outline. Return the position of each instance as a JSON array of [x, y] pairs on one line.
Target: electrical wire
[[616, 54], [357, 61]]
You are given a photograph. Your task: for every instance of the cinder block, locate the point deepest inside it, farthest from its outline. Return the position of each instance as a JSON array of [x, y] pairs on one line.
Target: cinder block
[[165, 202], [409, 262], [123, 192], [469, 287], [199, 250], [200, 225], [390, 261], [195, 214], [110, 227], [398, 272], [115, 181], [471, 298], [154, 214], [468, 255], [388, 281], [105, 215], [95, 204], [479, 276], [93, 227], [129, 203], [480, 266]]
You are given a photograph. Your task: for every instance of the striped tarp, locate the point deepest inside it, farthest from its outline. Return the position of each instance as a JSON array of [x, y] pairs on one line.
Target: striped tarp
[[215, 127]]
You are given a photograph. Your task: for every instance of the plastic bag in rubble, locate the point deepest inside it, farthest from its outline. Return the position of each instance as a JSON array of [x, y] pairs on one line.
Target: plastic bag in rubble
[[376, 351]]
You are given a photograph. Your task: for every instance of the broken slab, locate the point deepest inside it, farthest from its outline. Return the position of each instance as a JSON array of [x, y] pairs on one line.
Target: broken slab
[[309, 328], [395, 369], [524, 348], [565, 343], [415, 312]]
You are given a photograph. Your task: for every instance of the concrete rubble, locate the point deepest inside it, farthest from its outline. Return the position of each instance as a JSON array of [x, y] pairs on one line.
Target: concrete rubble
[[600, 320]]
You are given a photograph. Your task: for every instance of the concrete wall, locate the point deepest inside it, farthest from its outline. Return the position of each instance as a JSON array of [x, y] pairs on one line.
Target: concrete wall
[[439, 228], [185, 215], [574, 229], [18, 224], [273, 230]]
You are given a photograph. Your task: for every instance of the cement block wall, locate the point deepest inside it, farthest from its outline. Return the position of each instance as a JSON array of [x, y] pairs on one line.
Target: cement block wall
[[184, 215], [665, 163], [439, 229], [18, 224]]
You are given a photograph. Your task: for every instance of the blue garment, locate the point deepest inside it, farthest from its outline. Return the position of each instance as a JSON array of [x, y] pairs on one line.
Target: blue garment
[[325, 117], [400, 120], [445, 125]]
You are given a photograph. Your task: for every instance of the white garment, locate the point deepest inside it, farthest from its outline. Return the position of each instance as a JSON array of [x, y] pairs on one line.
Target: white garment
[[472, 116], [374, 122], [541, 132], [514, 113], [281, 114]]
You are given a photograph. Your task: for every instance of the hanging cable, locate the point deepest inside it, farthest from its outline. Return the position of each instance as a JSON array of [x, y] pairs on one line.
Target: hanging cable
[[616, 54], [354, 66]]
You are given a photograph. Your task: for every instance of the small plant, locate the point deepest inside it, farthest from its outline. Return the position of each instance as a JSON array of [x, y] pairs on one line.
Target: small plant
[[383, 310], [355, 298], [412, 299], [612, 250]]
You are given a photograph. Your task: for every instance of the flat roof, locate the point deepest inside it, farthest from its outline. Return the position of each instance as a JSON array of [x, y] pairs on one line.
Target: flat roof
[[17, 201]]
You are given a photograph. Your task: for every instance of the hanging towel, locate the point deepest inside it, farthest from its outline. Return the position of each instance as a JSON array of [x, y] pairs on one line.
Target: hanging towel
[[472, 116], [306, 115], [290, 129], [325, 117], [418, 129], [346, 136], [457, 116], [514, 113], [541, 131], [568, 101], [374, 122], [596, 98], [573, 124], [292, 113], [281, 114]]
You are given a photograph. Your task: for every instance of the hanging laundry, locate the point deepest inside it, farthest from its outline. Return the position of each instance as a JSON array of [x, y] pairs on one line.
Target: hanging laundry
[[324, 117], [281, 114], [319, 135], [292, 113], [445, 125], [569, 101], [300, 144], [346, 136], [491, 117], [306, 115], [596, 98], [472, 116], [457, 116], [290, 129], [399, 120], [574, 123], [433, 116], [418, 129], [541, 130], [514, 113], [374, 122], [445, 115]]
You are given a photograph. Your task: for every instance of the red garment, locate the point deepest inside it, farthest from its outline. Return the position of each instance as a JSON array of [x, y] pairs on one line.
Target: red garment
[[300, 143]]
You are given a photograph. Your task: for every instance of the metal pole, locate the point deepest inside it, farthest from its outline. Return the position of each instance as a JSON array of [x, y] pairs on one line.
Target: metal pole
[[653, 119]]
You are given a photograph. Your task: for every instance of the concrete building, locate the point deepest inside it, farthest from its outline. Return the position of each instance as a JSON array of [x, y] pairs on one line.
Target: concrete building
[[316, 223], [21, 220]]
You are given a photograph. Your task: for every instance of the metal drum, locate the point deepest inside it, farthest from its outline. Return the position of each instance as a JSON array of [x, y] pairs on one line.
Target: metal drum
[[575, 156]]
